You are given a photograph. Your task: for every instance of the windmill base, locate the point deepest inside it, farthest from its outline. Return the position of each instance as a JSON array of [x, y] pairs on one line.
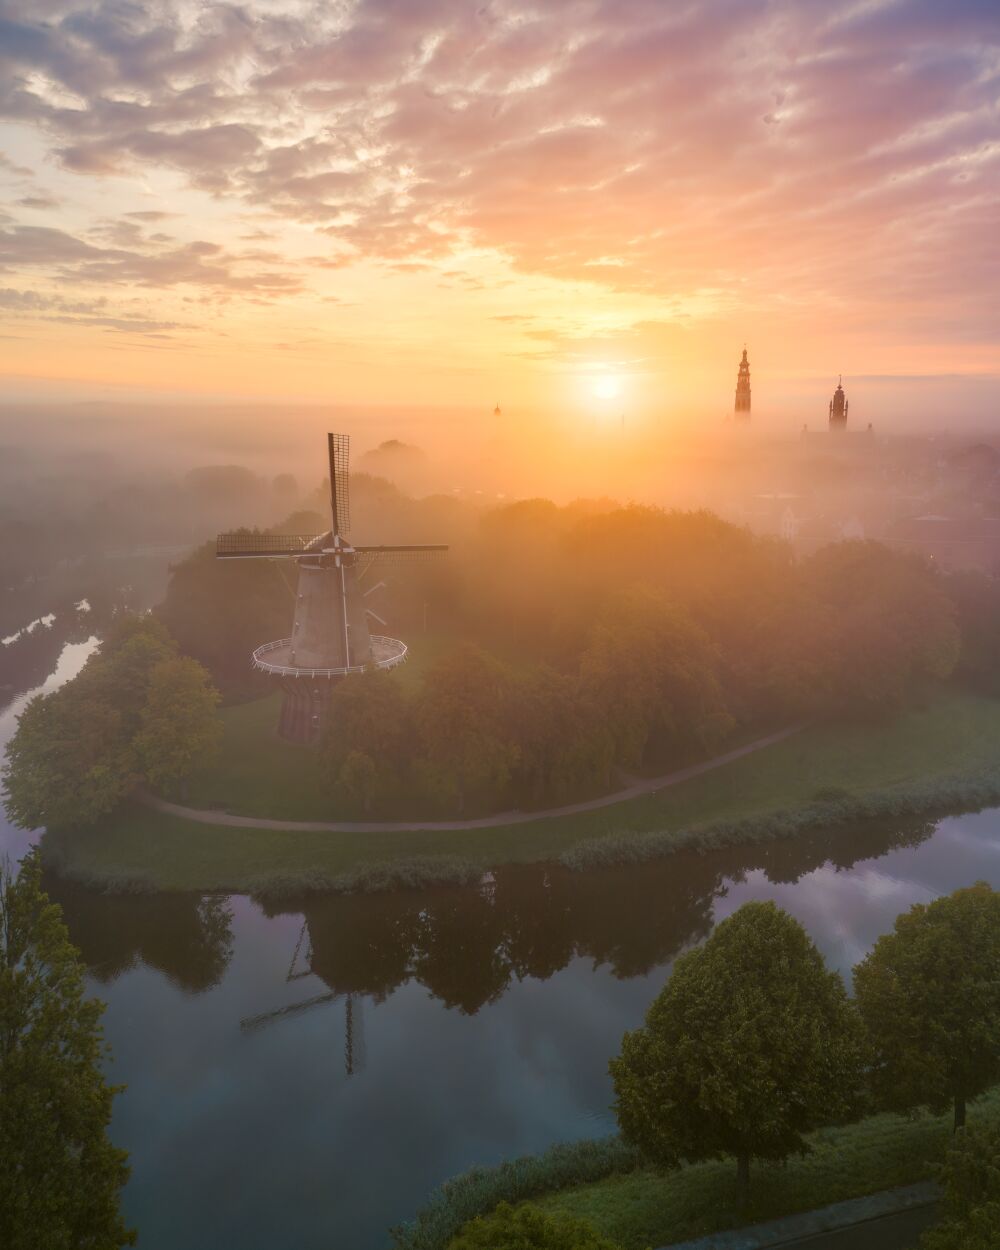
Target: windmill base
[[305, 709]]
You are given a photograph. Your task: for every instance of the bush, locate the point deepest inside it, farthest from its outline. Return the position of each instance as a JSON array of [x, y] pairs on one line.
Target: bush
[[527, 1228], [480, 1190]]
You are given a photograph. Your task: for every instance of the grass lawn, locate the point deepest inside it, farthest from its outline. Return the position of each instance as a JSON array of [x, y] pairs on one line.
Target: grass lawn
[[649, 1209], [953, 732]]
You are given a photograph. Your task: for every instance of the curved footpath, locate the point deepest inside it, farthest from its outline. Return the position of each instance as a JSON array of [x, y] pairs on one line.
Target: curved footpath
[[635, 790]]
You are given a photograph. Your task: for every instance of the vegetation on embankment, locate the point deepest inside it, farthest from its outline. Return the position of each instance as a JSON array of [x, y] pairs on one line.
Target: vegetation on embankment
[[640, 1207], [933, 759]]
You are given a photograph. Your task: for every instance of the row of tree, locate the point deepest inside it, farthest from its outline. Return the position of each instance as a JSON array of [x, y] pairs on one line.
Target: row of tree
[[847, 630], [753, 1042], [480, 733], [137, 712]]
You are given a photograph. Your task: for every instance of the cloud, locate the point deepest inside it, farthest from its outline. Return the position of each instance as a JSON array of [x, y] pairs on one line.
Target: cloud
[[797, 151], [143, 262], [42, 307]]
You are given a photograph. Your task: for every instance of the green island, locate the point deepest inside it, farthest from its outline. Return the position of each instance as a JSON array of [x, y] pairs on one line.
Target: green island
[[951, 734]]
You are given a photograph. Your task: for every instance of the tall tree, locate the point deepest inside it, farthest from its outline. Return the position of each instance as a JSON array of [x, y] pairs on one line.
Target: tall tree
[[69, 761], [751, 1043], [465, 747], [60, 1176], [884, 619], [368, 739], [651, 676], [929, 995], [179, 725]]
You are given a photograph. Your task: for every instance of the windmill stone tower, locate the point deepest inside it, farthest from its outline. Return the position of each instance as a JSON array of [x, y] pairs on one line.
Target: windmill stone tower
[[330, 634], [741, 411]]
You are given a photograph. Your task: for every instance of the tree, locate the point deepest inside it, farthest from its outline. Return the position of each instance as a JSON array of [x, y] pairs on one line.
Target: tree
[[886, 620], [369, 737], [126, 662], [651, 676], [564, 748], [69, 761], [528, 1228], [751, 1044], [929, 995], [180, 728], [60, 1176], [971, 1179], [464, 743]]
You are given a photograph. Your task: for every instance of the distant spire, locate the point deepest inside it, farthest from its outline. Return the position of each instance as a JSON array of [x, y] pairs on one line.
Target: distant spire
[[496, 410], [742, 408]]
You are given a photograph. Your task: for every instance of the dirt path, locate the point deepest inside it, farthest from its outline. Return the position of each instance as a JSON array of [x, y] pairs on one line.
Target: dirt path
[[634, 791]]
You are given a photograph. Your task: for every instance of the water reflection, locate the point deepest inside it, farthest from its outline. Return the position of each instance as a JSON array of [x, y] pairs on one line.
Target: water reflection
[[186, 937], [464, 946]]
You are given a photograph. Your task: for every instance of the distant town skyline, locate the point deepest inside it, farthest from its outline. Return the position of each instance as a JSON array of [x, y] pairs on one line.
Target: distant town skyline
[[578, 205]]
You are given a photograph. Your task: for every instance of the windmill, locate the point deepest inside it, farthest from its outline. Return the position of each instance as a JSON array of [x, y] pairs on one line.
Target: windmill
[[330, 635]]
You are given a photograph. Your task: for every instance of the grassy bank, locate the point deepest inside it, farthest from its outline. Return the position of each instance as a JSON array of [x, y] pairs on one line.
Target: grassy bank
[[640, 1208], [825, 775]]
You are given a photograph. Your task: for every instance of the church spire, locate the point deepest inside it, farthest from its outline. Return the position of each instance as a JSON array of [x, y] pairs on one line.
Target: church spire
[[742, 409]]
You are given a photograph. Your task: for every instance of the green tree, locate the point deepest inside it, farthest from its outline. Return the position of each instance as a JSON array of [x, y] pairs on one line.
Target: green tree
[[179, 725], [125, 663], [369, 718], [971, 1179], [462, 719], [528, 1228], [883, 618], [929, 995], [60, 1176], [357, 780], [564, 748], [751, 1044], [651, 676], [69, 761]]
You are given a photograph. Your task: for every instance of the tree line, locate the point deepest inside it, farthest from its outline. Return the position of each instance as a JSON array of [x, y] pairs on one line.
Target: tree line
[[580, 642], [138, 711]]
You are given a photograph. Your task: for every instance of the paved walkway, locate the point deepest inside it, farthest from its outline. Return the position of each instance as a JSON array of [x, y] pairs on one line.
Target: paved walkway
[[890, 1220], [635, 790]]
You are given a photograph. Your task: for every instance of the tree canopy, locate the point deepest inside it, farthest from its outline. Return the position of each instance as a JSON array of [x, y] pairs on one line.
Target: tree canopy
[[60, 1176], [136, 712], [929, 995], [751, 1044]]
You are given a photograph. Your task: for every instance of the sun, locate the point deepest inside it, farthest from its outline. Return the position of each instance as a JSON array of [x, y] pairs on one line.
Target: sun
[[607, 386]]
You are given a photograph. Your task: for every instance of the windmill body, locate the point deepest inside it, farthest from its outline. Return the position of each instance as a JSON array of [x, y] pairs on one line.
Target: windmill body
[[330, 634]]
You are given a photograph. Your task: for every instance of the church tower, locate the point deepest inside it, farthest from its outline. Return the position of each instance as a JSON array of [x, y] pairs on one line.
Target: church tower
[[838, 408], [742, 409]]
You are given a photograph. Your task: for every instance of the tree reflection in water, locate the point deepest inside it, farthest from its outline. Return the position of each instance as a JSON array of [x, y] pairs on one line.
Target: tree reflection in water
[[464, 945], [187, 937]]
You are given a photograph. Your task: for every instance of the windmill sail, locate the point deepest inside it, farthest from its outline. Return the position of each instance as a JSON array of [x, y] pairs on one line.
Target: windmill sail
[[339, 446]]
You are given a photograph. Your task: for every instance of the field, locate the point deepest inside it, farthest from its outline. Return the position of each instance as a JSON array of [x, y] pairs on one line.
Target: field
[[952, 733]]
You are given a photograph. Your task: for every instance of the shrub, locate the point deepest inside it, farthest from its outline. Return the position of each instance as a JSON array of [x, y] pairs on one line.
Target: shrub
[[968, 792], [527, 1228], [971, 1179], [480, 1190]]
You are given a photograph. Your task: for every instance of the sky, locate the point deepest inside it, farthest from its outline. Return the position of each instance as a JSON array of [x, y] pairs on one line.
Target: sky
[[573, 205]]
